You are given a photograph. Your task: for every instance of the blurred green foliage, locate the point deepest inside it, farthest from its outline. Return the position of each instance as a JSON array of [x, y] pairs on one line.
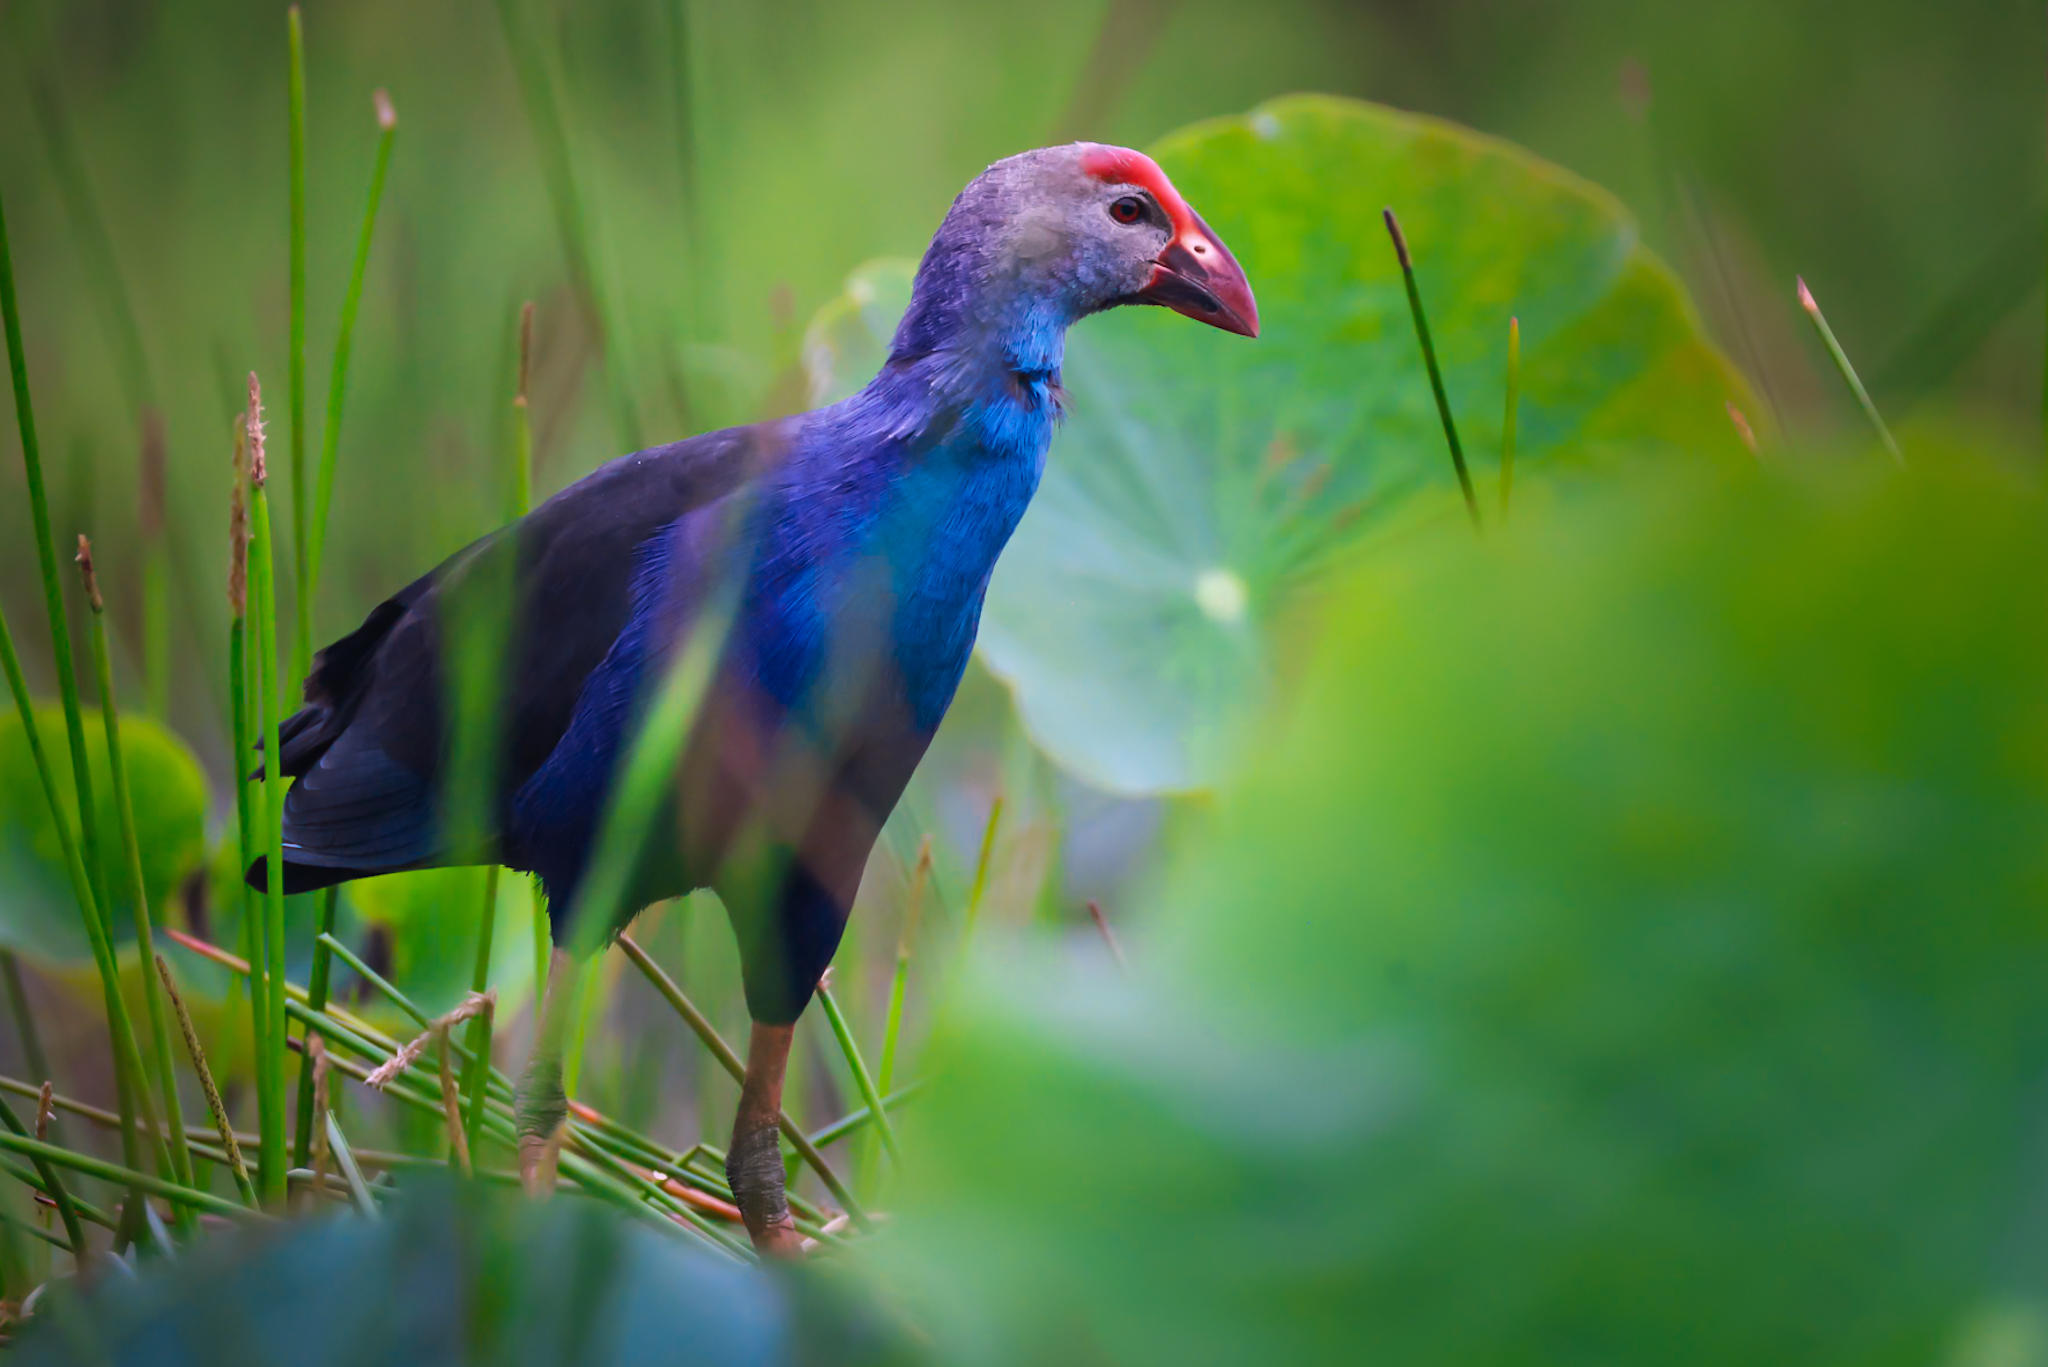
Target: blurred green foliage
[[38, 914], [1627, 947]]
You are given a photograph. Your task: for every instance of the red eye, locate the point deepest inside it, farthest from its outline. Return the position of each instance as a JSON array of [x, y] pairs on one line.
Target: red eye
[[1129, 209]]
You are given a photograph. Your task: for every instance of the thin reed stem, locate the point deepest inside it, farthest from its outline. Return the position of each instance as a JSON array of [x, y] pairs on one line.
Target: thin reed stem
[[17, 998], [1436, 378], [302, 571], [202, 1201], [892, 1032], [861, 1077], [46, 561], [1848, 373], [262, 586], [316, 993], [982, 862], [337, 378], [131, 850], [565, 196]]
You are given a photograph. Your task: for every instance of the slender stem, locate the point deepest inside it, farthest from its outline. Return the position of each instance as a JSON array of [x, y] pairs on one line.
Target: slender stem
[[337, 379], [869, 1092], [981, 864], [46, 560], [203, 1201], [302, 573], [854, 1121], [131, 849], [522, 421], [1508, 419], [558, 170], [1848, 373], [480, 1027], [262, 585], [214, 1107], [913, 908], [156, 588], [24, 1016], [66, 1211], [316, 993], [345, 1159], [1436, 378]]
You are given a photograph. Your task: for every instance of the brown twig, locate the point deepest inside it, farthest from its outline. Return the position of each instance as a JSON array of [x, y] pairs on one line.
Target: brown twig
[[451, 1103], [316, 1050]]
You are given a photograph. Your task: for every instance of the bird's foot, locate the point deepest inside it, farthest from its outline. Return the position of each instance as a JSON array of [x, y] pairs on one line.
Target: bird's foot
[[541, 1112]]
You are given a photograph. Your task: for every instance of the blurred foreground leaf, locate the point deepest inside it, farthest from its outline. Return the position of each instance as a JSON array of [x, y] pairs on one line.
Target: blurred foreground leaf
[[1631, 946], [1201, 480], [454, 1278], [38, 914]]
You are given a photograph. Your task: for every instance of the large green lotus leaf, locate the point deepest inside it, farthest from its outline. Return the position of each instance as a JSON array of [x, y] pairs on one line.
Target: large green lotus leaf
[[38, 914], [431, 919], [1629, 946], [1202, 481]]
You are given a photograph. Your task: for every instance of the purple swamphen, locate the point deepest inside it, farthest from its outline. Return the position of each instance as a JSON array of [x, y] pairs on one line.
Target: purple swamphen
[[849, 549]]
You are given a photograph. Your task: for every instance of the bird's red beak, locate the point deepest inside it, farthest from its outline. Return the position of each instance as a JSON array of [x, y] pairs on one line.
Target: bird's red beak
[[1196, 275]]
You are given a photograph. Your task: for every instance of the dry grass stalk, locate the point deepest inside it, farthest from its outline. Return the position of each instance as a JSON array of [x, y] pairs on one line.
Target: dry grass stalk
[[252, 423], [478, 1004], [214, 1106], [46, 1109]]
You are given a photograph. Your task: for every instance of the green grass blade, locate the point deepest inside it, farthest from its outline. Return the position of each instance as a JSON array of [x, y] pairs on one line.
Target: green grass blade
[[861, 1077], [344, 337], [1436, 377], [982, 862], [46, 560], [203, 1201], [473, 1080], [543, 105], [302, 573], [1848, 374], [351, 1172], [131, 850], [899, 982], [316, 992]]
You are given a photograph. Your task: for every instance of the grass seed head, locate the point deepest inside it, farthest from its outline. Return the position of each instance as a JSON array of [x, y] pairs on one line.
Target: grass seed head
[[85, 572]]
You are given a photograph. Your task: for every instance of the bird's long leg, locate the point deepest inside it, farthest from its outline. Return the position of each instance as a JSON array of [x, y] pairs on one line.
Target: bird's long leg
[[753, 1164], [541, 1107]]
